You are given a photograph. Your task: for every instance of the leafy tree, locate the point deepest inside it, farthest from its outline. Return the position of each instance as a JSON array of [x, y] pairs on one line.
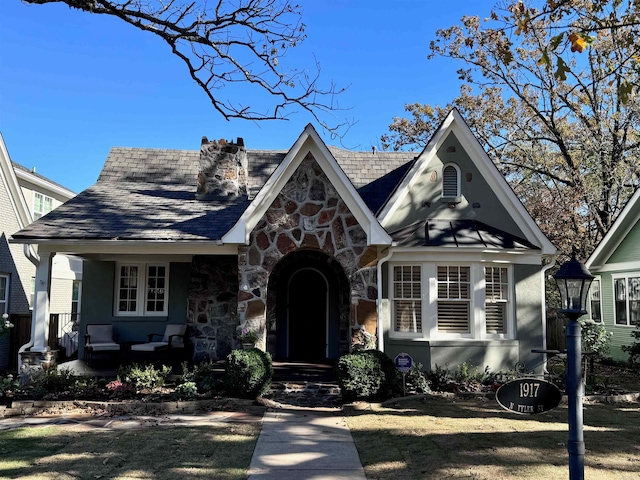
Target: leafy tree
[[564, 136], [225, 42]]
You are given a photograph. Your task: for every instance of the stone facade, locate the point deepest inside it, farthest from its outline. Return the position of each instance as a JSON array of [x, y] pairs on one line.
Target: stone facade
[[308, 214], [223, 169], [212, 306]]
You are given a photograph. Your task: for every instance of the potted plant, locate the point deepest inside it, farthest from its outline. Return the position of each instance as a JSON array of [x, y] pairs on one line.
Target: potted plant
[[247, 338]]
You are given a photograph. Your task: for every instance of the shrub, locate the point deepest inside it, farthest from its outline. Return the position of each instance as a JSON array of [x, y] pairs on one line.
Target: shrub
[[415, 380], [8, 386], [595, 338], [439, 378], [366, 374], [144, 376], [634, 349], [203, 375], [53, 382], [248, 373], [186, 390]]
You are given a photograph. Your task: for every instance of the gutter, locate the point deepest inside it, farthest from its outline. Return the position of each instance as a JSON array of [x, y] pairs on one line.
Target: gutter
[[33, 257], [379, 299]]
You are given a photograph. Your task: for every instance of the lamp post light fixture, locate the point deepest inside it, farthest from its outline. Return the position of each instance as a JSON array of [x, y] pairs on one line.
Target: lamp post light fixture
[[573, 280]]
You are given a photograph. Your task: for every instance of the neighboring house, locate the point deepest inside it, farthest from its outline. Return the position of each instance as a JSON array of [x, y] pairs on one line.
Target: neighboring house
[[432, 251], [615, 292], [24, 196]]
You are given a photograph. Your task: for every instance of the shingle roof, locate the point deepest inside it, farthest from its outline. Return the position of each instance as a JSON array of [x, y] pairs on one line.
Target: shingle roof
[[457, 233], [145, 193]]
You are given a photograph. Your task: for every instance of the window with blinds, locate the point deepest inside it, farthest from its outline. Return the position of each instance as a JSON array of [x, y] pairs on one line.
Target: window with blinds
[[496, 299], [450, 181], [454, 299], [407, 299], [595, 305]]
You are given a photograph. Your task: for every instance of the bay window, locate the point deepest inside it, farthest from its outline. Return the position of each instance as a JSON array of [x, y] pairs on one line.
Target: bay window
[[407, 299], [496, 299], [454, 299], [451, 301], [141, 289]]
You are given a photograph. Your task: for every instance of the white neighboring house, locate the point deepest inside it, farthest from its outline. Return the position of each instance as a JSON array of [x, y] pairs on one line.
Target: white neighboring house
[[24, 197]]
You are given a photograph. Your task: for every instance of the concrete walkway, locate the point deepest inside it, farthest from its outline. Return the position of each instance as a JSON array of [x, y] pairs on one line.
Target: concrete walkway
[[305, 443]]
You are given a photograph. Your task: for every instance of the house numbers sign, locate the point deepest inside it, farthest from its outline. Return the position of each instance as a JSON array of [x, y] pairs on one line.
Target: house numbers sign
[[528, 396]]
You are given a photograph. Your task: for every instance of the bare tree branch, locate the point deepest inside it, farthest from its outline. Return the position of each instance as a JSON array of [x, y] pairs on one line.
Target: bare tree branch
[[232, 41]]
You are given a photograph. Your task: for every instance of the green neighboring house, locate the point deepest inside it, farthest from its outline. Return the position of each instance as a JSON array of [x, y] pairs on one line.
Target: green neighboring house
[[615, 292]]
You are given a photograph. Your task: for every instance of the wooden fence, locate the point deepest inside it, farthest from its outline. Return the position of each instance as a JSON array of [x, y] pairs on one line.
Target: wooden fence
[[556, 339]]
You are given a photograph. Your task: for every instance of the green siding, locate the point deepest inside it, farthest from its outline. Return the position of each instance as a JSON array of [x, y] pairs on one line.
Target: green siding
[[621, 334], [629, 248]]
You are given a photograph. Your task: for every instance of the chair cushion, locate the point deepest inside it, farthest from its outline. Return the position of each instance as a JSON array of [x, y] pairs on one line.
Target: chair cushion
[[100, 333], [149, 347], [175, 329], [103, 347]]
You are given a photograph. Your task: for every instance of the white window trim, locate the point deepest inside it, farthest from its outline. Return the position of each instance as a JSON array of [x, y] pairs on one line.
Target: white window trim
[[597, 278], [141, 300], [44, 198], [429, 295], [423, 299], [614, 277], [458, 182], [5, 301]]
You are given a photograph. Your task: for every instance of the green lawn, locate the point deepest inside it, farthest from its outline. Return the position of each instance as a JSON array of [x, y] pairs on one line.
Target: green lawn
[[154, 452], [445, 438]]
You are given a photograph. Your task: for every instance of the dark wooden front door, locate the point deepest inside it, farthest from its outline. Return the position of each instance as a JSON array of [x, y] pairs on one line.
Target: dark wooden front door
[[307, 315]]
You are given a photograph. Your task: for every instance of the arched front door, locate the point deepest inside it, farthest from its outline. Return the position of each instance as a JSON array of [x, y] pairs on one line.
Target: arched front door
[[307, 308], [308, 315]]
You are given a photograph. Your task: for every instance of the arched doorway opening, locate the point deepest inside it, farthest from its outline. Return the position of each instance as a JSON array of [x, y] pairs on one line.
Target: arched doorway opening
[[307, 308]]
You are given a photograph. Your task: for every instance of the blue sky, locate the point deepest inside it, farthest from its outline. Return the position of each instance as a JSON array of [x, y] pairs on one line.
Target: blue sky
[[72, 85]]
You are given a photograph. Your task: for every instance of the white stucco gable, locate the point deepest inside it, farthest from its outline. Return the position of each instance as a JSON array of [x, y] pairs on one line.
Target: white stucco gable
[[308, 142], [455, 124]]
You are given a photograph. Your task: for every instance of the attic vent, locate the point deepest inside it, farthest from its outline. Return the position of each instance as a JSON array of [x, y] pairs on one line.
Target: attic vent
[[451, 181]]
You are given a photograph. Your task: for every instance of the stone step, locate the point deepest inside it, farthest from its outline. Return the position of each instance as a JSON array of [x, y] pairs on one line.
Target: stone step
[[305, 394]]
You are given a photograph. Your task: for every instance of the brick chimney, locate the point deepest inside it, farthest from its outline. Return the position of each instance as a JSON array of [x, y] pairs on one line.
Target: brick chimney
[[223, 169]]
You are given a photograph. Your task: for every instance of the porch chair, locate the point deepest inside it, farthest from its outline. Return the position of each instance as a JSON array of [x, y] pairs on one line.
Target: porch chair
[[172, 340], [99, 339]]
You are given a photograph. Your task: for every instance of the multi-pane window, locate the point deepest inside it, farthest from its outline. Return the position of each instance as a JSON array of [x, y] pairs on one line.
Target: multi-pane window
[[407, 298], [4, 294], [450, 181], [595, 305], [454, 299], [41, 205], [627, 300], [156, 278], [142, 289], [496, 299]]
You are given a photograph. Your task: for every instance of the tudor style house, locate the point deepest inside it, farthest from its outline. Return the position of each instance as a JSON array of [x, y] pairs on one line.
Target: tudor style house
[[430, 251], [614, 295], [26, 196]]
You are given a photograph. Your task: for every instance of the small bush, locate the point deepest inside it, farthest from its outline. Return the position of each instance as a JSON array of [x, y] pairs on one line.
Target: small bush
[[203, 376], [248, 373], [144, 376], [186, 390], [415, 380], [439, 378], [53, 383], [8, 386], [368, 374]]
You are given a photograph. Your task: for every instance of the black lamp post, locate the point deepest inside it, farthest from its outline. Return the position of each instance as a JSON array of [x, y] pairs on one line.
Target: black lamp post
[[573, 281]]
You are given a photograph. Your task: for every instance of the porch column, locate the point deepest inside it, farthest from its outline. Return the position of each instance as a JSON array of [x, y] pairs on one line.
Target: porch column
[[40, 317]]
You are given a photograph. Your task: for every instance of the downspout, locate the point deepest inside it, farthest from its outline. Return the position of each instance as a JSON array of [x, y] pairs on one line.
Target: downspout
[[33, 257], [379, 300], [545, 269]]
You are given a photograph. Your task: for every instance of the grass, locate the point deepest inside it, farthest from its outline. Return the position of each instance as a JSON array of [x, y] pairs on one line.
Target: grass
[[439, 438], [66, 452]]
